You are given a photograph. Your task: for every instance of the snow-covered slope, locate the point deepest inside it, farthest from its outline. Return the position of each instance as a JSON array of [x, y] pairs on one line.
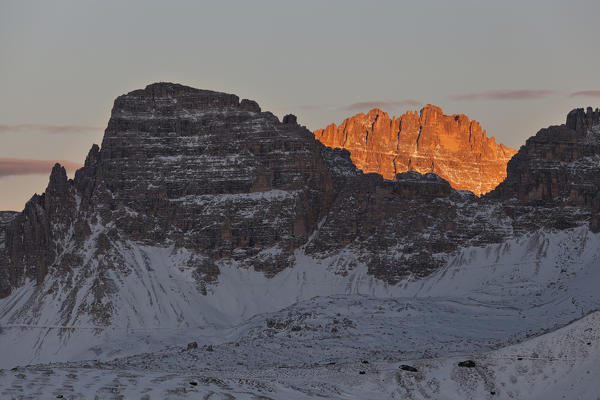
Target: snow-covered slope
[[484, 298], [562, 364], [346, 347]]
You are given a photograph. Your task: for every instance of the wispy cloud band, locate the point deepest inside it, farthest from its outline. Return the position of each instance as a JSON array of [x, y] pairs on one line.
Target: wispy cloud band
[[22, 166], [519, 94], [311, 107], [51, 129], [586, 93], [363, 105]]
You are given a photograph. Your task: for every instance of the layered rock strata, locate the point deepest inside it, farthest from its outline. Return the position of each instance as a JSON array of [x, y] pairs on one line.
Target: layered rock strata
[[451, 146], [557, 170]]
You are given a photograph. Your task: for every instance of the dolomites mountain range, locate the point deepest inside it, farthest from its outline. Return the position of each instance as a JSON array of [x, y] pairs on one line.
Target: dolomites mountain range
[[202, 217], [203, 171]]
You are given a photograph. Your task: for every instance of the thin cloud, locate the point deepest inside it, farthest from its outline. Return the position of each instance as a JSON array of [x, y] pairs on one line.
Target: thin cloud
[[363, 105], [586, 93], [22, 166], [310, 107], [51, 129], [521, 94]]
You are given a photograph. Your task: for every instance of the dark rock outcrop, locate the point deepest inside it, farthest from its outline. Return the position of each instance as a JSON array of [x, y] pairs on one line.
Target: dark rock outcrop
[[6, 217], [467, 364], [33, 238], [557, 171], [197, 168], [406, 227], [290, 119], [581, 120], [249, 105]]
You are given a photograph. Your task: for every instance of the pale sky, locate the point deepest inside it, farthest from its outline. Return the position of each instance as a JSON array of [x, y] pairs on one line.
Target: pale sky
[[515, 66]]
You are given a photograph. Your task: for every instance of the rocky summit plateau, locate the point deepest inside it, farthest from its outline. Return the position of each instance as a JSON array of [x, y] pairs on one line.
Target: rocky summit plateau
[[208, 248], [450, 146]]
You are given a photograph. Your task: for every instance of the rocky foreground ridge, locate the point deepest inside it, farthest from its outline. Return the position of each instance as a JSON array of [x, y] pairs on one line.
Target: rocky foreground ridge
[[226, 184], [451, 146]]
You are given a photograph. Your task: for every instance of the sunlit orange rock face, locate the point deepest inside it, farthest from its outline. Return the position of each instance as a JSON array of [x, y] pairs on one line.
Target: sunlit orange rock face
[[451, 146]]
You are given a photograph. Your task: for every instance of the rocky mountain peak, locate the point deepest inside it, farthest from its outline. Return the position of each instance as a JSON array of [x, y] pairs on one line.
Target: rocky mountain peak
[[174, 99], [581, 120], [58, 180], [451, 146], [375, 113], [290, 119], [558, 166], [93, 154], [250, 105], [430, 112]]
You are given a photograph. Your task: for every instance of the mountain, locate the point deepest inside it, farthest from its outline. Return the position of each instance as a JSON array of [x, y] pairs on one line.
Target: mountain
[[205, 172], [558, 165], [202, 218], [451, 146]]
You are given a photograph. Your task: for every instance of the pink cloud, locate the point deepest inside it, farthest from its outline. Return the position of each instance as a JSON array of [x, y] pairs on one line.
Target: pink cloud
[[364, 105], [311, 107], [587, 93], [520, 94], [21, 166], [52, 129]]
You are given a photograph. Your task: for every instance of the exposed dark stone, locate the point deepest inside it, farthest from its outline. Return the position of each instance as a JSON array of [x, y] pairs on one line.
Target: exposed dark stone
[[581, 120], [290, 119], [408, 368], [467, 364], [250, 105], [192, 346], [556, 168], [58, 180]]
